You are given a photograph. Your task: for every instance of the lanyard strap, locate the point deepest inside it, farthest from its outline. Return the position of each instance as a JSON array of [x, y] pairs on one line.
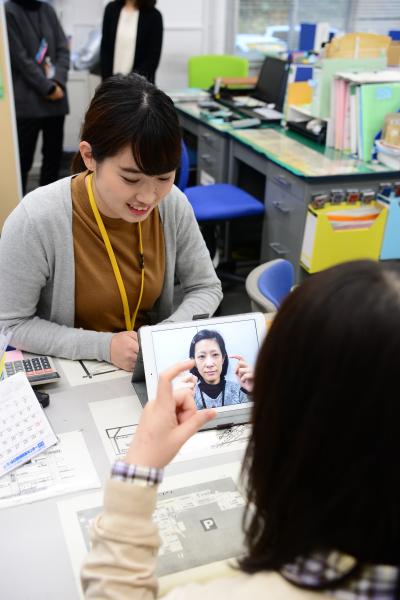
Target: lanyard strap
[[129, 322]]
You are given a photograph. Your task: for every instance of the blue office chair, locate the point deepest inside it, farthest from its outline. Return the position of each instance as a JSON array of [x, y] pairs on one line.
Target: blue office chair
[[268, 284], [218, 203]]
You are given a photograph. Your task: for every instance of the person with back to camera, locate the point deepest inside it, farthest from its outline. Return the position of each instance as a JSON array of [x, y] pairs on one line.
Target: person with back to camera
[[131, 39], [321, 468], [39, 57], [212, 389], [97, 254]]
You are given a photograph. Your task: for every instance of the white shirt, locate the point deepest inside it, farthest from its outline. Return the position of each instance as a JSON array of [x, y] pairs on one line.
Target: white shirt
[[125, 41]]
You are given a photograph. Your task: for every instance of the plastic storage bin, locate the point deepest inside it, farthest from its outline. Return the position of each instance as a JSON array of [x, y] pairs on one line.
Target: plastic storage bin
[[391, 238], [338, 233]]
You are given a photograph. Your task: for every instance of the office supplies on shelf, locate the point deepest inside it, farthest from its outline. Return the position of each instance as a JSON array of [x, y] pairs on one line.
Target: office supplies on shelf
[[237, 82], [391, 130], [188, 95], [385, 188], [319, 200], [336, 196], [388, 155], [358, 45], [360, 103], [38, 369], [367, 196], [352, 196], [245, 123], [324, 72], [391, 239], [315, 133], [313, 35], [24, 428], [393, 54], [375, 101], [338, 233], [270, 114]]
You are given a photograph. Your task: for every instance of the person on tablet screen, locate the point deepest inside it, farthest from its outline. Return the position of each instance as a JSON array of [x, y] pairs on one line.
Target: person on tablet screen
[[90, 258], [212, 388]]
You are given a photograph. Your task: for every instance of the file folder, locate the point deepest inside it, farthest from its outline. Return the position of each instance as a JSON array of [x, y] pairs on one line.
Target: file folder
[[339, 233]]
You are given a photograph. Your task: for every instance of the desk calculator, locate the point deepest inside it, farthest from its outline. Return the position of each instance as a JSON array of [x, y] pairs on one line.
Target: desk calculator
[[38, 369]]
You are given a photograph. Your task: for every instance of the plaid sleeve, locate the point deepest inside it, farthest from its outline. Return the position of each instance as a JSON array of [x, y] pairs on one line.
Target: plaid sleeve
[[138, 475]]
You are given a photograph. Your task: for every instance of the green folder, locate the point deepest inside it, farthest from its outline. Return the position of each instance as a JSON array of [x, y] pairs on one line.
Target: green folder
[[323, 75], [376, 100]]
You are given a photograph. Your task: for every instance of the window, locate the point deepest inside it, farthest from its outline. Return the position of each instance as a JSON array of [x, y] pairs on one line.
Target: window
[[270, 27], [263, 27]]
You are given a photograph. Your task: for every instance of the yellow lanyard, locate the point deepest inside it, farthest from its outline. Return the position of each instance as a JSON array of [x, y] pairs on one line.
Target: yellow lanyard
[[130, 322]]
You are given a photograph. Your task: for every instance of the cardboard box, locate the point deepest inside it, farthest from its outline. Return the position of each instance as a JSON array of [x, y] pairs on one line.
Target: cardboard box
[[393, 54]]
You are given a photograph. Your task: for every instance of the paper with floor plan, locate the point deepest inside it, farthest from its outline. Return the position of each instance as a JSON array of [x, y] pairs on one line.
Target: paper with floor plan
[[82, 372], [66, 467], [116, 421], [199, 515]]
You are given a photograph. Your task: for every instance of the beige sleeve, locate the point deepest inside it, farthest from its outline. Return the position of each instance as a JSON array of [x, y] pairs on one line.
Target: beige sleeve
[[125, 542]]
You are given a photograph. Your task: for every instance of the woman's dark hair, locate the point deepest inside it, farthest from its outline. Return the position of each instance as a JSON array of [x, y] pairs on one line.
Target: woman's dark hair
[[209, 334], [322, 464], [127, 110]]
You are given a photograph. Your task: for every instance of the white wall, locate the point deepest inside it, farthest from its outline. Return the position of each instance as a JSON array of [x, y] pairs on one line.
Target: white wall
[[190, 27]]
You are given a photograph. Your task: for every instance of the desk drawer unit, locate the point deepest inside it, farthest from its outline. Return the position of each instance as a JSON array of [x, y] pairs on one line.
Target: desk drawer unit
[[285, 216], [212, 157]]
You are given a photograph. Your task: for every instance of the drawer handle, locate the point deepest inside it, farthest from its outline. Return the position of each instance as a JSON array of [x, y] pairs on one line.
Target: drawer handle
[[207, 137], [282, 181], [206, 158], [279, 249], [281, 207]]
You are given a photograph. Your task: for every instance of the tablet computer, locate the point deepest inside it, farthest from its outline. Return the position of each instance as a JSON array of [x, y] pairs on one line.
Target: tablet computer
[[216, 345]]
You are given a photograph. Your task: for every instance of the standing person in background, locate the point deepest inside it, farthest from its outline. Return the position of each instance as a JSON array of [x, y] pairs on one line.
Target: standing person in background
[[131, 38], [39, 62]]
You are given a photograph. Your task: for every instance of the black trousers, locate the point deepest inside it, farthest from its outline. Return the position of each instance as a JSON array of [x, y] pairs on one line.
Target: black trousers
[[52, 129]]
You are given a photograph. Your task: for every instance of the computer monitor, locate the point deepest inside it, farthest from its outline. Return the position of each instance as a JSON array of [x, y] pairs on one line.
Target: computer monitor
[[272, 80]]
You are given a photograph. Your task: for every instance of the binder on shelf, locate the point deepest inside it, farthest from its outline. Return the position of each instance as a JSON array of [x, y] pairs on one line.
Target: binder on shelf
[[391, 237], [324, 72], [338, 233]]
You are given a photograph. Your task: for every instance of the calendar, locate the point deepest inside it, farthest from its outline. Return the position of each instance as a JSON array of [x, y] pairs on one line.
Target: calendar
[[24, 428]]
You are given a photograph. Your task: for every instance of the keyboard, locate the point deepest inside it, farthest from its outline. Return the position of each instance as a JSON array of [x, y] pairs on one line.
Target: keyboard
[[38, 369]]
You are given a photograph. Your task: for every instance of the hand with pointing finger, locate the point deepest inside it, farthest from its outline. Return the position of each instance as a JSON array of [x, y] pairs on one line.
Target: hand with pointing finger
[[167, 422]]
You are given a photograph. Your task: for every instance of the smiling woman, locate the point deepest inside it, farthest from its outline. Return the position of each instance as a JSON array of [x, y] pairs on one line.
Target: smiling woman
[[98, 252]]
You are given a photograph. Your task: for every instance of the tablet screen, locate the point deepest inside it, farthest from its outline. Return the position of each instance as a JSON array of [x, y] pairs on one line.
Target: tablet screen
[[216, 348]]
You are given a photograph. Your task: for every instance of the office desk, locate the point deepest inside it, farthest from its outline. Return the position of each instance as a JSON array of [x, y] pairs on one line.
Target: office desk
[[281, 168], [212, 143], [294, 170], [35, 562]]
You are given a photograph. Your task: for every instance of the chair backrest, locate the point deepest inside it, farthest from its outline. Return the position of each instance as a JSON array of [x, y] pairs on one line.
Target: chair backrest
[[183, 175], [268, 284], [276, 281], [203, 69]]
